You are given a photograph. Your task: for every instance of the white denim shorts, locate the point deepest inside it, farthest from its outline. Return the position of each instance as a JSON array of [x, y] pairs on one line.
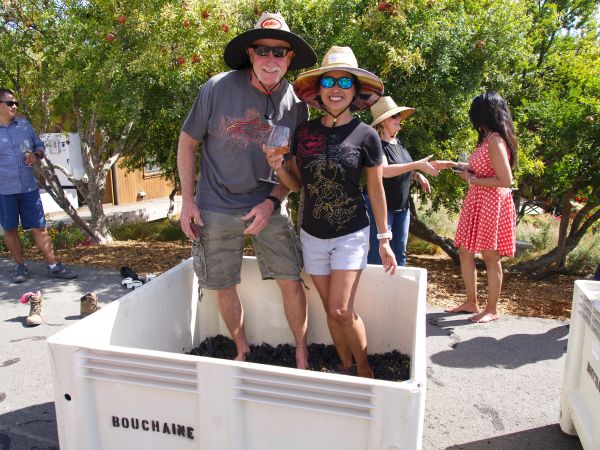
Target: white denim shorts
[[348, 252]]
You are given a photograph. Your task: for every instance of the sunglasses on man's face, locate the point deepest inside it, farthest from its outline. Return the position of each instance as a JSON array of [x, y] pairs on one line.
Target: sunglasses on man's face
[[342, 82], [264, 50], [10, 103]]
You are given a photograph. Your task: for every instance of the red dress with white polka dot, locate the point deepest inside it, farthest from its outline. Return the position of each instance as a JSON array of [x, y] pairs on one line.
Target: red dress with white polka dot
[[487, 218]]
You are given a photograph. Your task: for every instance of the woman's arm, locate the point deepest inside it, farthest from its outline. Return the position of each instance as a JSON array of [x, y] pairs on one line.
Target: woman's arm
[[379, 206], [393, 170]]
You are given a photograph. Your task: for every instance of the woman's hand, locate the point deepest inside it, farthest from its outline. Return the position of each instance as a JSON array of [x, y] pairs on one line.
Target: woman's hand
[[441, 164], [465, 174], [388, 260], [427, 167], [275, 161], [423, 182]]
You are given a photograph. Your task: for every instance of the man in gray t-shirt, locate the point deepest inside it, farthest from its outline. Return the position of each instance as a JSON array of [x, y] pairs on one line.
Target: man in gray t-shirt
[[232, 118]]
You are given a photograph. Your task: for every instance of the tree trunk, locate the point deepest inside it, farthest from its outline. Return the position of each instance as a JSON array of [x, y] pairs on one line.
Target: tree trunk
[[99, 151], [555, 260], [46, 173], [172, 206], [422, 231]]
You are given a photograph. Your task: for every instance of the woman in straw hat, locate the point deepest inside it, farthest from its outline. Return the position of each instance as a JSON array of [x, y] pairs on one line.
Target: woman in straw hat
[[330, 154], [399, 170]]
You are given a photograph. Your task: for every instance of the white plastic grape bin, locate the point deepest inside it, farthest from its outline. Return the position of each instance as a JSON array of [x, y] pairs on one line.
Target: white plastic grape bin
[[122, 379], [580, 399]]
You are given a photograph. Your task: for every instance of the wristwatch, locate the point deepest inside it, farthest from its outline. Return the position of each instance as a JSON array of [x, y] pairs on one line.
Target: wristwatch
[[386, 235], [276, 202]]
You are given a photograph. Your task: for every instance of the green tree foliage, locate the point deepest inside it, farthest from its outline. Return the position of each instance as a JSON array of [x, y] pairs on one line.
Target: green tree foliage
[[560, 109], [120, 73], [125, 73]]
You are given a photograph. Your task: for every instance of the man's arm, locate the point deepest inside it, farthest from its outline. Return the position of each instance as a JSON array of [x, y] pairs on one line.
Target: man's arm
[[186, 165]]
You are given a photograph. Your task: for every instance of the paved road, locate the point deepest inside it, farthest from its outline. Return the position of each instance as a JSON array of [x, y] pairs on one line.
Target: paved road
[[490, 386]]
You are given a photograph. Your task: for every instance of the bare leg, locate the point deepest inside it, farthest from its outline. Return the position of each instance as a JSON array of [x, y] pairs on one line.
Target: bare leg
[[233, 316], [44, 243], [322, 283], [341, 314], [469, 274], [494, 277], [11, 239], [296, 311]]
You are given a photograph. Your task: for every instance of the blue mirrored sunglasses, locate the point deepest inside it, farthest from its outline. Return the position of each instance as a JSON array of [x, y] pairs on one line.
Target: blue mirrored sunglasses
[[342, 82]]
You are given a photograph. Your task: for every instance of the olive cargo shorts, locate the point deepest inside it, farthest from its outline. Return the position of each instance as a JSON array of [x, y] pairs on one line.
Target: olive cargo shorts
[[219, 250]]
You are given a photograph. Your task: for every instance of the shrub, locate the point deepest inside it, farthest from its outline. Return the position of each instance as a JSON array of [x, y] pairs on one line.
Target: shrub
[[586, 256], [67, 237], [541, 230], [159, 230], [441, 221], [61, 237]]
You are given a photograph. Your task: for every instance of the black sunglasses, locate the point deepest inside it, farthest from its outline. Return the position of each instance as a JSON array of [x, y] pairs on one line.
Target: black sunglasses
[[263, 50], [343, 82], [10, 103], [395, 116]]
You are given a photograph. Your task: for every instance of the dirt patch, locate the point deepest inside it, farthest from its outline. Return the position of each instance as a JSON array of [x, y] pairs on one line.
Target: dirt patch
[[391, 366], [521, 296]]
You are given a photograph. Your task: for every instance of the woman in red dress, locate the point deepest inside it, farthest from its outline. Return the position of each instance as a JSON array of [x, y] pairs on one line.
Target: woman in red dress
[[487, 218]]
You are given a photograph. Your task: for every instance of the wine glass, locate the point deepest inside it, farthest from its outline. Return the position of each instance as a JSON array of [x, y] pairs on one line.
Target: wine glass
[[278, 144], [26, 150], [462, 158]]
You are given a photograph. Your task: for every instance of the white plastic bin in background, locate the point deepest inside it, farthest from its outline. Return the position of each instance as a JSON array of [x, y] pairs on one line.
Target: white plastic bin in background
[[63, 149], [122, 378], [580, 399]]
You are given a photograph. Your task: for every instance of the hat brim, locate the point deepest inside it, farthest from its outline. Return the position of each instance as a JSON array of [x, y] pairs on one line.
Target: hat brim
[[404, 111], [236, 57], [371, 87]]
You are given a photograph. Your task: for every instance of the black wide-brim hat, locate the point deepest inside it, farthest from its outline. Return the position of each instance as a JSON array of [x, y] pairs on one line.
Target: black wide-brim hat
[[269, 26]]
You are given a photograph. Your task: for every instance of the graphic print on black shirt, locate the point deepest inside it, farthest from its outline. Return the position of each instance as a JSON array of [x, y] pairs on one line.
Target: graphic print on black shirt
[[331, 162]]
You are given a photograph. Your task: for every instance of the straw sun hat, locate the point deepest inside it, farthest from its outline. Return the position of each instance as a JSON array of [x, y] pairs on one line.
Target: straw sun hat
[[386, 107], [269, 26], [339, 58]]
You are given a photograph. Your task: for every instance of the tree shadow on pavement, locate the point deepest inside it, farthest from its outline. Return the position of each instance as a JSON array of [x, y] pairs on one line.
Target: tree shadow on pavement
[[33, 427], [541, 438], [509, 352]]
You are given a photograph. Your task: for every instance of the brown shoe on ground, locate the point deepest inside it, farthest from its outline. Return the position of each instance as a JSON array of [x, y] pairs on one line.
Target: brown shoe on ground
[[35, 312], [89, 304]]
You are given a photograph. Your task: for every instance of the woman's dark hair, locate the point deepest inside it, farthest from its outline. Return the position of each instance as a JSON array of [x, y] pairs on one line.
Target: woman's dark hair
[[489, 112]]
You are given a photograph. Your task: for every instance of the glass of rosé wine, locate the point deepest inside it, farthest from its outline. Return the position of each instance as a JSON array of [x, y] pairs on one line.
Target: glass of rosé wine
[[277, 144]]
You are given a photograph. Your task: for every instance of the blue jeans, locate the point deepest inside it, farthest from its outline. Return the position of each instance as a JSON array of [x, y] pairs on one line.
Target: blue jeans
[[398, 224]]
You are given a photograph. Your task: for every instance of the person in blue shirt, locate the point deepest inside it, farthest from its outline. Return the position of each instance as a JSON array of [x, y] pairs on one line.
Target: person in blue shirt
[[20, 148]]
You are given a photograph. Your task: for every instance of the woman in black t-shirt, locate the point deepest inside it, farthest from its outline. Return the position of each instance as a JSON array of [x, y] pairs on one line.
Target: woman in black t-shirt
[[399, 170], [330, 154]]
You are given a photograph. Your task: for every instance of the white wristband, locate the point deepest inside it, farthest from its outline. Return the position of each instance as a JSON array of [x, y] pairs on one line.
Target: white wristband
[[386, 235]]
